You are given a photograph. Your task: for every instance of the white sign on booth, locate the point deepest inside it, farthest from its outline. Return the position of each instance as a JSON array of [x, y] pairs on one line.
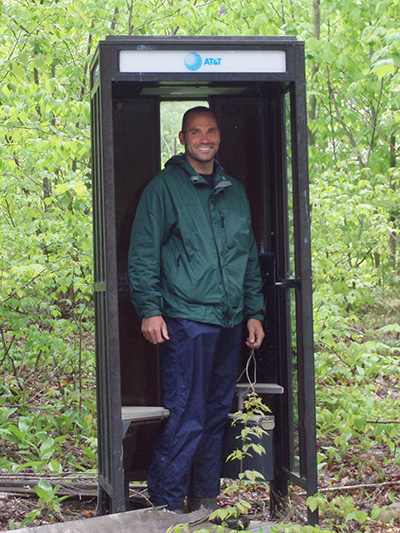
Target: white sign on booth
[[209, 61]]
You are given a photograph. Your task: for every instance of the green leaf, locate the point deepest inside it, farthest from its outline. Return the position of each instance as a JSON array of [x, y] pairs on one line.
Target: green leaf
[[55, 466], [384, 67]]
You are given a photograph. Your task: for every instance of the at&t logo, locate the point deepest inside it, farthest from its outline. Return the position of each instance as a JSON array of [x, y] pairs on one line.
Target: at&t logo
[[193, 61]]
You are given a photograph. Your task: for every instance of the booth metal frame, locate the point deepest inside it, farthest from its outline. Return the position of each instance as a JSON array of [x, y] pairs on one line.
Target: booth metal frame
[[284, 241]]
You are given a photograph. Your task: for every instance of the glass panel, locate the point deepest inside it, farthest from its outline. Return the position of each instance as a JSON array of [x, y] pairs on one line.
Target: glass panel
[[291, 263], [295, 438], [291, 273], [171, 121]]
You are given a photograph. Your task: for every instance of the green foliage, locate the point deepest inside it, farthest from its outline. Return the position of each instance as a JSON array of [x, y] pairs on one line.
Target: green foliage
[[48, 503], [31, 440], [48, 496], [46, 246], [340, 509], [357, 384], [179, 528], [251, 432], [295, 528], [337, 514], [46, 312], [184, 528]]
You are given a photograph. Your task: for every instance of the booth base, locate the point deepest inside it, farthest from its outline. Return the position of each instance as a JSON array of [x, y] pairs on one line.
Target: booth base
[[143, 521]]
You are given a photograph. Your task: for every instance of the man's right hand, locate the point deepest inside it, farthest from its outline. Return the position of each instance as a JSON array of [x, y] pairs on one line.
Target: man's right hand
[[155, 329]]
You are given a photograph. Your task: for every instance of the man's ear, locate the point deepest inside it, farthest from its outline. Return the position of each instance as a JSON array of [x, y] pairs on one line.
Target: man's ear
[[181, 137]]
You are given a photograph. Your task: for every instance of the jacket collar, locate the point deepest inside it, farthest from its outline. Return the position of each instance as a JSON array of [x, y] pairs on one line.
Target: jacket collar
[[220, 179]]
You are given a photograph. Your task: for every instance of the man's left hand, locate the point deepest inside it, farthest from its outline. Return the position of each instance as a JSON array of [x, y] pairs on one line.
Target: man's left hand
[[256, 333]]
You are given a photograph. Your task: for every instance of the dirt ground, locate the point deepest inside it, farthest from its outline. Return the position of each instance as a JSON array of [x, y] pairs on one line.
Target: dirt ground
[[14, 509]]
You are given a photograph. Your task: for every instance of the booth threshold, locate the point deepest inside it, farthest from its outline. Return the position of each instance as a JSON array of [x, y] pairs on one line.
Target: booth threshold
[[142, 520]]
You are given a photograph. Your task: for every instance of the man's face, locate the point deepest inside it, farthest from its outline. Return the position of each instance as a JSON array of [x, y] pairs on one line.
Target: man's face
[[201, 139]]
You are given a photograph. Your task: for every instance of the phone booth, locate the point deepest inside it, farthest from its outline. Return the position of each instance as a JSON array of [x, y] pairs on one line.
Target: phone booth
[[256, 87]]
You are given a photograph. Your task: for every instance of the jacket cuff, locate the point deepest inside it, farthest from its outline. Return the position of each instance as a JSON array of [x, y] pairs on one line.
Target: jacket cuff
[[152, 312], [258, 316]]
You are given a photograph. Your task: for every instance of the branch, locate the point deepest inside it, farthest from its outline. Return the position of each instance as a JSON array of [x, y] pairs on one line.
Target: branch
[[372, 486], [353, 370], [28, 405], [29, 34], [12, 294], [130, 18], [9, 213], [359, 240], [291, 12], [342, 122], [370, 287], [237, 14], [113, 24], [361, 486], [5, 346], [374, 121], [281, 17], [383, 421], [368, 121], [67, 488]]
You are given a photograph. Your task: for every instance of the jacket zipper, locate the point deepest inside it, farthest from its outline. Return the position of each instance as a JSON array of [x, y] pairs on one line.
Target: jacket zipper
[[226, 314]]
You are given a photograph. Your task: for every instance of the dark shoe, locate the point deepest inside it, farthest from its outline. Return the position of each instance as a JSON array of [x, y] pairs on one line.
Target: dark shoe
[[194, 503], [236, 523], [180, 511]]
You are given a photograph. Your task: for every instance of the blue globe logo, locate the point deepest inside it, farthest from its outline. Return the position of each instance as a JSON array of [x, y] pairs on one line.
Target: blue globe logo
[[193, 61]]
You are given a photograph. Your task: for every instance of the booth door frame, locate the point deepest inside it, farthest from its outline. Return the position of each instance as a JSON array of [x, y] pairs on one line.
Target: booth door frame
[[111, 474], [279, 132], [111, 496], [294, 283]]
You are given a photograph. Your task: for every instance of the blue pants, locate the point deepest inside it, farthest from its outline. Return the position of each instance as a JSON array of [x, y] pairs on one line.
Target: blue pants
[[198, 370]]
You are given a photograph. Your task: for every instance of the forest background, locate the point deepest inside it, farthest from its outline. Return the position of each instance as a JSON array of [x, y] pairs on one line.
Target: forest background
[[47, 396]]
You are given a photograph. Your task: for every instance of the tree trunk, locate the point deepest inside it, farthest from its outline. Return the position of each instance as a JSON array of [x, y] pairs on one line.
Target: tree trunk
[[317, 35]]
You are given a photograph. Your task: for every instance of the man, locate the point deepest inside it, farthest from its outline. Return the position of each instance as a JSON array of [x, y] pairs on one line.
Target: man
[[194, 274]]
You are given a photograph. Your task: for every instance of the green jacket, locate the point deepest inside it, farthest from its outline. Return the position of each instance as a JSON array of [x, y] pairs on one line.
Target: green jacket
[[192, 253]]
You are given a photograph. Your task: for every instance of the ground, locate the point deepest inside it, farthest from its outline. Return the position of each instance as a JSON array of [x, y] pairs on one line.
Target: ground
[[17, 508]]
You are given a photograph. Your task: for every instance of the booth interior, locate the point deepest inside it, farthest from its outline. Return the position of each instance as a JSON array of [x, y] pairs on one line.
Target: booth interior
[[253, 150]]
